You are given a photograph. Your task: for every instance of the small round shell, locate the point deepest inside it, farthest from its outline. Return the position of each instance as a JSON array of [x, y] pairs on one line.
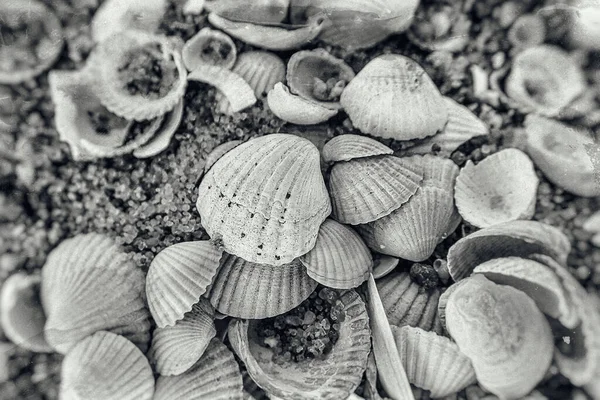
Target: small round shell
[[257, 11], [350, 147], [295, 109], [527, 31], [114, 16], [209, 47], [162, 138], [219, 152]]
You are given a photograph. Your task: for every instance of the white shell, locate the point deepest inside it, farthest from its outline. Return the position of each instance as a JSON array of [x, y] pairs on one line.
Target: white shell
[[349, 147], [162, 138], [295, 109], [239, 94], [258, 11], [219, 152], [118, 15], [383, 265], [209, 47]]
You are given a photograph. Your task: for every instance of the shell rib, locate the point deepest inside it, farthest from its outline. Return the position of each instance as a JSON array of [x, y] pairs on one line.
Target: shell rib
[[350, 147], [239, 94]]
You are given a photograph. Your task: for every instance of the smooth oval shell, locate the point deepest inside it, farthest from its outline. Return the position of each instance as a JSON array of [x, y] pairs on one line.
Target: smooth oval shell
[[295, 109], [163, 136], [209, 47], [340, 258], [390, 83], [350, 147], [114, 16], [383, 265], [177, 277], [106, 366], [500, 188], [219, 152], [257, 11], [266, 199], [89, 284]]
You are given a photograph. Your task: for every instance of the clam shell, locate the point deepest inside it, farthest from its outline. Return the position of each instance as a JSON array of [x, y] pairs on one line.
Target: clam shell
[[163, 136], [216, 376], [504, 334], [386, 84], [295, 109], [219, 152], [257, 11], [334, 377], [176, 348], [340, 258], [433, 362], [90, 284], [499, 189], [177, 277], [106, 366], [21, 315], [527, 31], [209, 47], [350, 147], [114, 16], [383, 265], [247, 290], [363, 190], [266, 199]]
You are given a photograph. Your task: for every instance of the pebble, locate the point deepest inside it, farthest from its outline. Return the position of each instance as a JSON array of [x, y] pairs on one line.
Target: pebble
[[592, 223]]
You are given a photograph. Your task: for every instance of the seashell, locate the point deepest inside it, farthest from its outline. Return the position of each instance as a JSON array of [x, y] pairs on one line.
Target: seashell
[[175, 349], [243, 289], [163, 136], [349, 147], [277, 37], [386, 84], [219, 152], [295, 109], [560, 152], [340, 258], [106, 366], [193, 7], [438, 172], [318, 77], [177, 277], [114, 16], [209, 47], [32, 40], [333, 377], [266, 199], [383, 265], [215, 376], [504, 334], [109, 63], [584, 31], [433, 362], [370, 389], [90, 284], [440, 27], [21, 315], [257, 11], [528, 30], [500, 188], [365, 189]]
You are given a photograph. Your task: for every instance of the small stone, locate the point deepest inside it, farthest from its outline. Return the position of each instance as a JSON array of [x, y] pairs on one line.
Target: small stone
[[592, 224], [596, 240]]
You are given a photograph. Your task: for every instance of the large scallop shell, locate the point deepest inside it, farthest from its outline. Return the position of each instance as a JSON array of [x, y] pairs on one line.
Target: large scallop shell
[[504, 334], [390, 83], [363, 190], [500, 188], [114, 16], [295, 109], [244, 289], [350, 147], [177, 277], [266, 199], [333, 377], [433, 362], [257, 11], [219, 152], [90, 284], [106, 366], [163, 136], [340, 259], [209, 47]]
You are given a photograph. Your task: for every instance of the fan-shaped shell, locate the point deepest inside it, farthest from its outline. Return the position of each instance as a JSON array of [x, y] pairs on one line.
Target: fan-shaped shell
[[239, 94], [219, 152], [247, 290], [333, 377], [340, 258], [209, 47], [350, 147], [295, 109], [177, 277], [438, 172], [499, 189], [390, 83], [266, 199], [257, 11], [504, 334], [383, 265], [90, 284], [114, 16], [163, 136], [106, 366]]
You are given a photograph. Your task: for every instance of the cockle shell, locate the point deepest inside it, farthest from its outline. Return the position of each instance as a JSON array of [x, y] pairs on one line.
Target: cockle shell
[[500, 188], [333, 377], [209, 47], [438, 172], [527, 31], [433, 362], [90, 284], [383, 265], [295, 109], [114, 16], [349, 147], [504, 334], [258, 11], [239, 94], [177, 277], [390, 83], [163, 136], [106, 366], [266, 199], [219, 152], [340, 258]]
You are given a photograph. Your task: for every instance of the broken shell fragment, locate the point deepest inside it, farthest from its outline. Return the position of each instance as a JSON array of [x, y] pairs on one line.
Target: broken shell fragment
[[162, 138], [257, 11], [239, 94], [209, 47], [219, 152], [349, 147], [114, 16], [441, 27], [383, 265], [295, 109]]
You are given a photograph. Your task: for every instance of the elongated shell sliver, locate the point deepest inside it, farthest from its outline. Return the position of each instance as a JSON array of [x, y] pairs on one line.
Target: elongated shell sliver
[[233, 86], [350, 147], [295, 109]]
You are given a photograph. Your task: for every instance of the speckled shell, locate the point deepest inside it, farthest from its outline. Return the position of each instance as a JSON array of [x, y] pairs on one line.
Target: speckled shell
[[192, 53], [106, 366], [350, 147], [247, 290], [219, 152], [163, 136], [390, 83], [500, 188], [90, 284], [363, 190], [504, 334], [258, 11], [266, 199], [383, 265], [433, 362], [177, 277], [114, 16], [340, 258], [295, 109], [334, 377], [237, 91]]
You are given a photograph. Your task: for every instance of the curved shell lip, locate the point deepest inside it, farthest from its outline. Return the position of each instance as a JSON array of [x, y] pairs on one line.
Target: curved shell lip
[[210, 47], [259, 12], [348, 147], [295, 109], [219, 152], [162, 138]]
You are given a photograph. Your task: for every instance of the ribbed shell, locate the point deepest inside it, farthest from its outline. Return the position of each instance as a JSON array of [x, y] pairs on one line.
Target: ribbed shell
[[363, 190], [219, 152], [118, 15], [437, 172], [176, 348], [433, 362], [216, 42], [383, 265], [340, 258], [295, 109], [247, 290], [89, 284], [266, 199], [239, 94], [162, 138], [106, 366], [349, 147], [390, 83], [177, 277]]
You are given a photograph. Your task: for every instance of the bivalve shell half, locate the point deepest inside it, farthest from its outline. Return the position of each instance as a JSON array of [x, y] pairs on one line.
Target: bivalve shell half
[[257, 11], [295, 109], [219, 152], [114, 16], [163, 136], [237, 91], [438, 172], [209, 47], [390, 83], [383, 265], [350, 147]]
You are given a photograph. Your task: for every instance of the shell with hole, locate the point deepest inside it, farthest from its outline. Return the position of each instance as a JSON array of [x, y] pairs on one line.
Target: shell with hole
[[119, 15], [295, 109], [349, 147], [209, 47], [257, 11]]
